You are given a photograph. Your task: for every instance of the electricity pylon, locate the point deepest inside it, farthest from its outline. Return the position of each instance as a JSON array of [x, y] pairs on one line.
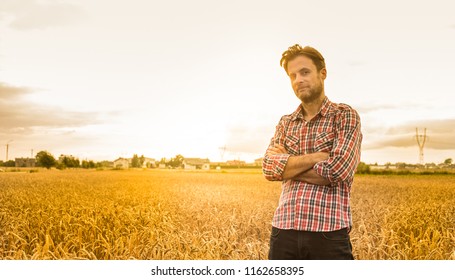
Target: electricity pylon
[[421, 139], [222, 151]]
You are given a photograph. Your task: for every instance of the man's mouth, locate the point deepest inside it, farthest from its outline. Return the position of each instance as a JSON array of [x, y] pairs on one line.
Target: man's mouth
[[302, 88]]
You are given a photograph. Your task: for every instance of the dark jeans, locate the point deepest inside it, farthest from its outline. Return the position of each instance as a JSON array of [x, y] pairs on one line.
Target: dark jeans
[[288, 244]]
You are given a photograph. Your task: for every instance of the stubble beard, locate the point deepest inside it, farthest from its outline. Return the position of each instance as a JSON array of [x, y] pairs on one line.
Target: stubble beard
[[314, 94]]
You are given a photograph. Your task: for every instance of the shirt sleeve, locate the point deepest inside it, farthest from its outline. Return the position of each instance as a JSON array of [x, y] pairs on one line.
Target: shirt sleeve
[[273, 165], [345, 154]]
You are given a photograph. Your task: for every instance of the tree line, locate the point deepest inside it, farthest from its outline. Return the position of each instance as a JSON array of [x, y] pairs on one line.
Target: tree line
[[47, 160], [405, 168]]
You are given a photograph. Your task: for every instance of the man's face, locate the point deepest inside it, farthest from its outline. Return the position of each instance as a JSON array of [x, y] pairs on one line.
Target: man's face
[[306, 80]]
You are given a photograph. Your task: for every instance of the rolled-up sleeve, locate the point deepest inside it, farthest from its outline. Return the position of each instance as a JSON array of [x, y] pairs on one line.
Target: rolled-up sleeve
[[345, 154], [273, 165]]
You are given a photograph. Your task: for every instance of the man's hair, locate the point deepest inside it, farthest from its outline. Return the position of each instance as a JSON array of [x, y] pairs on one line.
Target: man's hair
[[296, 50]]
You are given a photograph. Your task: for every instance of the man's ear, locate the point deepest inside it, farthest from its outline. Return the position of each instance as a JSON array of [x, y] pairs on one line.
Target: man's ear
[[323, 73]]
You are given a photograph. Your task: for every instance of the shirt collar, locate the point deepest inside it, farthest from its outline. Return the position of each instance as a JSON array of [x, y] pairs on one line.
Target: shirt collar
[[325, 108]]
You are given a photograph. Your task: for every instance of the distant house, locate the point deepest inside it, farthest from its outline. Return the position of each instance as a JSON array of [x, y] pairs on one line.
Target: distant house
[[25, 162], [236, 162], [196, 163], [149, 163], [122, 163], [258, 161], [127, 163], [382, 167]]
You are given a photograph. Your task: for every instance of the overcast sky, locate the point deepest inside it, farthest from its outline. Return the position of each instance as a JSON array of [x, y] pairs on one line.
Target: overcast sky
[[103, 79]]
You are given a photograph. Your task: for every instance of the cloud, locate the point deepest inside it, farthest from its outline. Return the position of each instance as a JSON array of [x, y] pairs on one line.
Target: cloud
[[11, 92], [20, 116], [33, 14], [440, 135]]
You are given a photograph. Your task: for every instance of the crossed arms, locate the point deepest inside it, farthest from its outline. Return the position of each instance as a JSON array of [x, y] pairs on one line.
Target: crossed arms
[[329, 166], [300, 168]]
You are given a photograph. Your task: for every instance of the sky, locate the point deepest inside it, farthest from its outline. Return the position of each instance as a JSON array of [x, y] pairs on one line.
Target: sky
[[106, 79]]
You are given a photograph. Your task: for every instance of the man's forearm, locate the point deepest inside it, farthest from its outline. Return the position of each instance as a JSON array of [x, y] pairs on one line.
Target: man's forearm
[[298, 165], [310, 176]]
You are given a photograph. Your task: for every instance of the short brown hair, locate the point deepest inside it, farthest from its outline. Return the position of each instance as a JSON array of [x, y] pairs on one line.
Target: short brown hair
[[296, 50]]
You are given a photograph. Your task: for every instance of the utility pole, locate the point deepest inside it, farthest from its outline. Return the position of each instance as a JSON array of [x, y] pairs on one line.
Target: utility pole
[[421, 139], [222, 151], [7, 148]]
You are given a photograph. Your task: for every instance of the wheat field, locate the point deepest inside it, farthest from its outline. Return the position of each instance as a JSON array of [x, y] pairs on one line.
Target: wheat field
[[190, 215]]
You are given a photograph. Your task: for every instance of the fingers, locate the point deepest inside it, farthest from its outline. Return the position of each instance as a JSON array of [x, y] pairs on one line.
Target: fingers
[[282, 149], [277, 149], [321, 156]]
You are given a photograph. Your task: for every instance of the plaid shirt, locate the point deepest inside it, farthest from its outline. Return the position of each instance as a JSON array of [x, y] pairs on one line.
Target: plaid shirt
[[302, 206]]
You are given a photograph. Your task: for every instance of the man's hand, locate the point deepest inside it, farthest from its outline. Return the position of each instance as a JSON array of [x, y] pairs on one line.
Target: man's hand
[[299, 167], [277, 149], [316, 157], [320, 156], [312, 177]]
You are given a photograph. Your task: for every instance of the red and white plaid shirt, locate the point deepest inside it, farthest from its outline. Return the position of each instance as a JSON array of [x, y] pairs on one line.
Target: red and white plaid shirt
[[302, 206]]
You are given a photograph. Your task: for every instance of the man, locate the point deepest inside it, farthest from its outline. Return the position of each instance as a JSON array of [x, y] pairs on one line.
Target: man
[[314, 152]]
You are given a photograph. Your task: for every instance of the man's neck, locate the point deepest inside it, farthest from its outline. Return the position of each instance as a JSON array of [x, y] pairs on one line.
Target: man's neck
[[311, 109]]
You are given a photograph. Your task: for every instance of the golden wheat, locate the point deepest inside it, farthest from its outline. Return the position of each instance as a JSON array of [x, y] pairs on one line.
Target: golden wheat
[[404, 217], [162, 214]]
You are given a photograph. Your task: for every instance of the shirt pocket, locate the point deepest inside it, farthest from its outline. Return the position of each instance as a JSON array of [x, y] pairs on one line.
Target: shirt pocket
[[292, 144], [324, 141]]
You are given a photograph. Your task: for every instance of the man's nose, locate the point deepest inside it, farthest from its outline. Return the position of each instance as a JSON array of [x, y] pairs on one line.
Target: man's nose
[[298, 79]]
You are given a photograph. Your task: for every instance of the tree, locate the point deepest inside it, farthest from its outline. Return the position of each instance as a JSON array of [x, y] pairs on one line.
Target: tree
[[135, 162], [177, 161], [9, 163], [88, 164], [103, 164], [448, 161], [363, 168], [45, 159], [69, 162]]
